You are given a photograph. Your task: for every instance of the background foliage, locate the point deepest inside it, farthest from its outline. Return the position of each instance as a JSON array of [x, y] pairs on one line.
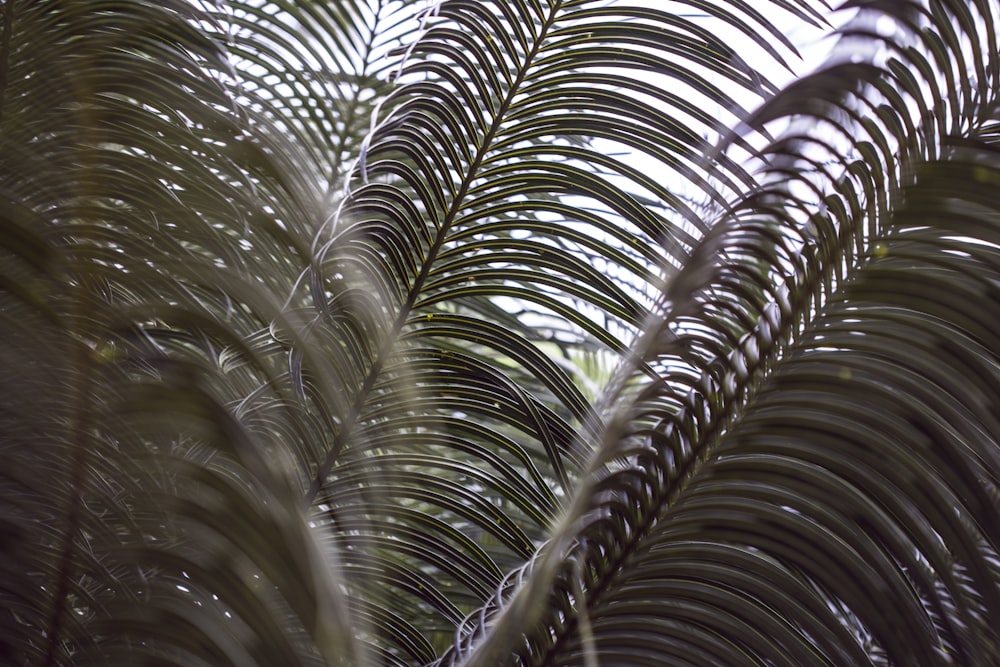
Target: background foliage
[[543, 332]]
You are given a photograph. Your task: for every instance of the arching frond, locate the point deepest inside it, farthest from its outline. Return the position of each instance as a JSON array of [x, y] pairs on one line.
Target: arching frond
[[488, 179], [311, 311], [776, 279]]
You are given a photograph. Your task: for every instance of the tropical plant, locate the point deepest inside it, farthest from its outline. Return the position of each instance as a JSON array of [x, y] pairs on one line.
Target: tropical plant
[[540, 332]]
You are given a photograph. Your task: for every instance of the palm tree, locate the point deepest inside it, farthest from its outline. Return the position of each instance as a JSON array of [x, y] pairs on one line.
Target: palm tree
[[541, 332]]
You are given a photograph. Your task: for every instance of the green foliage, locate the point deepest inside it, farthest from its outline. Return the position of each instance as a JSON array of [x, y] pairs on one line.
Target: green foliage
[[476, 333]]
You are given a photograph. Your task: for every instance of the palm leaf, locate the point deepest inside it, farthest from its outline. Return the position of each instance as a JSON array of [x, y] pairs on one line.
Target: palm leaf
[[134, 500], [300, 295], [456, 199], [789, 275]]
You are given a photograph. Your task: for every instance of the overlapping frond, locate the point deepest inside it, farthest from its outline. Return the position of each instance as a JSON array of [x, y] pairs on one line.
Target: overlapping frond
[[849, 515], [315, 71], [304, 305], [152, 460], [777, 278], [492, 183]]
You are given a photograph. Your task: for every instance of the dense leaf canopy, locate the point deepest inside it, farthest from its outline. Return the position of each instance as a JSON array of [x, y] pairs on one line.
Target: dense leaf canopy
[[474, 332]]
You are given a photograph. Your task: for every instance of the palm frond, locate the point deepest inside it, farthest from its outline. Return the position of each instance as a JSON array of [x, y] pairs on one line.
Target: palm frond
[[133, 191], [304, 304], [829, 202], [484, 181]]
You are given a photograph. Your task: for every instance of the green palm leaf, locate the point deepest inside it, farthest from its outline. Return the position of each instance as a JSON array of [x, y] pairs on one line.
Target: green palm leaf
[[306, 306], [446, 188], [694, 434]]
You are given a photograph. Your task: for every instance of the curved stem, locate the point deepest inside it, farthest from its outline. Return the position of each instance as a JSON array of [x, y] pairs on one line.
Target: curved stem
[[80, 426]]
